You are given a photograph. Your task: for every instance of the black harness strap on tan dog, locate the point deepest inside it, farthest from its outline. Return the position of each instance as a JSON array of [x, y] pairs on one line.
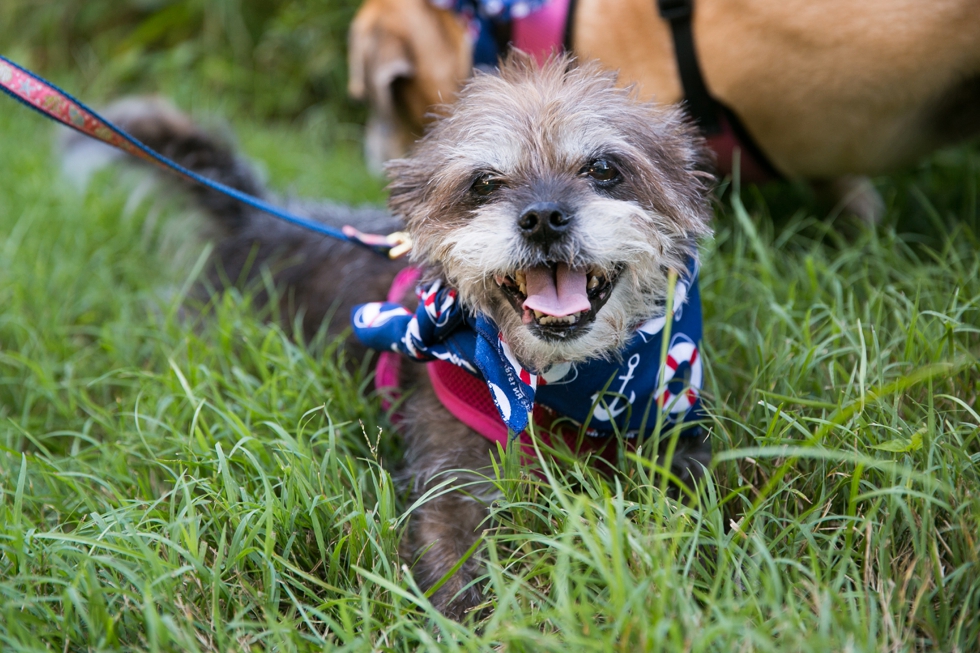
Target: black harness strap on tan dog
[[709, 114], [569, 26], [700, 104]]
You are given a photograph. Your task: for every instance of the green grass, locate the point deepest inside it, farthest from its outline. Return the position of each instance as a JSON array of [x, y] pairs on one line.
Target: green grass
[[273, 58], [178, 484]]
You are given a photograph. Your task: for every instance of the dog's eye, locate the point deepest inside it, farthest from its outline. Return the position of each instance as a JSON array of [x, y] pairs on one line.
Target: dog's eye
[[602, 171], [485, 185]]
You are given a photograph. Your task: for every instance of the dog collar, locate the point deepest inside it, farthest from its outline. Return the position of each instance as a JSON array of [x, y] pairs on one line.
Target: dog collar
[[649, 380]]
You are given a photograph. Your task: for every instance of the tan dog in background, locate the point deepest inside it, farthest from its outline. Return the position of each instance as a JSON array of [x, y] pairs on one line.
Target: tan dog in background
[[830, 91]]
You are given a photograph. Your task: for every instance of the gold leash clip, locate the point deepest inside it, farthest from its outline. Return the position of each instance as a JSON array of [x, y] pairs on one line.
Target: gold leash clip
[[401, 244]]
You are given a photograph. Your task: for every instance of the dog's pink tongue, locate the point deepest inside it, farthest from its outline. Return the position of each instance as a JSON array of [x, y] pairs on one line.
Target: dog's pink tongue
[[557, 291]]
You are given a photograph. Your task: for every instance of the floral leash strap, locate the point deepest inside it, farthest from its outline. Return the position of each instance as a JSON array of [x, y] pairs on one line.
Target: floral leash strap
[[47, 99]]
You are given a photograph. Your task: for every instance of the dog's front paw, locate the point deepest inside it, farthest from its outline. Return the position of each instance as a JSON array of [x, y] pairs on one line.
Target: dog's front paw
[[457, 598], [690, 458], [442, 533]]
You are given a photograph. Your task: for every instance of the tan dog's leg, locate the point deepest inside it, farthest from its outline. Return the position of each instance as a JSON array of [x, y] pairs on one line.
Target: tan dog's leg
[[852, 196], [444, 528]]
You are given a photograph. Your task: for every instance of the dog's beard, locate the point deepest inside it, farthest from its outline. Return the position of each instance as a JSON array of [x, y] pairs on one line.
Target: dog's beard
[[615, 241]]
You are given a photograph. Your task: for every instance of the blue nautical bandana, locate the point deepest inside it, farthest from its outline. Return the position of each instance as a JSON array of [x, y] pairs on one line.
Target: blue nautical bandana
[[621, 395]]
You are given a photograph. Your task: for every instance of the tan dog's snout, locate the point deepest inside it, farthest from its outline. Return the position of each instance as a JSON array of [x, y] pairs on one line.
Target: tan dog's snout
[[404, 57], [380, 68]]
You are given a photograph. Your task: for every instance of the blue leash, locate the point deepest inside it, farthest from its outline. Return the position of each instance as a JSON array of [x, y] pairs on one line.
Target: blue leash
[[50, 101]]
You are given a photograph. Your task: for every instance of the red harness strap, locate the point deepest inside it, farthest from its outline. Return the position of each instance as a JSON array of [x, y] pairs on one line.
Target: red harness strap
[[753, 166], [468, 399]]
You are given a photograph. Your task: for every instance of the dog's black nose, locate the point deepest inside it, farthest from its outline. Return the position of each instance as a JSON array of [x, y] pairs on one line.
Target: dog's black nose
[[544, 222]]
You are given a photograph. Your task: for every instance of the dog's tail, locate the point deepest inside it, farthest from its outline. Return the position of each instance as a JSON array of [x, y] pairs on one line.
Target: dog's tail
[[159, 125], [305, 265]]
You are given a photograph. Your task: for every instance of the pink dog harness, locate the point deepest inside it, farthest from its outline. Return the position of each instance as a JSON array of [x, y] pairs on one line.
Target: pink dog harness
[[542, 32], [468, 399]]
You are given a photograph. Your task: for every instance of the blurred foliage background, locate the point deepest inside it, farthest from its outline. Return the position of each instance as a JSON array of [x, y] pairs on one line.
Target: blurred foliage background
[[264, 59]]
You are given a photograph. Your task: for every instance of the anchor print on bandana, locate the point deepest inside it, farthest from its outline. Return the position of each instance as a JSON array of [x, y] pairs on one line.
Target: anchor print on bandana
[[607, 412]]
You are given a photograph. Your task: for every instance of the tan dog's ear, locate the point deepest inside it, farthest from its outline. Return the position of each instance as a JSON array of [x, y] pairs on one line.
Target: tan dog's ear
[[377, 57], [404, 57]]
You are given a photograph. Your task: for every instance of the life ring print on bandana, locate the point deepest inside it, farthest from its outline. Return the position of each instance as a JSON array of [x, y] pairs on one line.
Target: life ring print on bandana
[[682, 376]]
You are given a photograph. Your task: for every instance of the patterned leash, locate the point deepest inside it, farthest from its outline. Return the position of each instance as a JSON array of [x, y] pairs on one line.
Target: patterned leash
[[50, 101]]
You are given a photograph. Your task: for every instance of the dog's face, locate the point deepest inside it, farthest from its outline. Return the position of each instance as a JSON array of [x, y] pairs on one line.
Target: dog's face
[[557, 204]]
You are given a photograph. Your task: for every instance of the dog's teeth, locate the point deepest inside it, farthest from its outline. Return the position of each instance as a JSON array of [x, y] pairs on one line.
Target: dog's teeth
[[593, 283], [522, 287], [538, 314], [565, 319], [520, 277]]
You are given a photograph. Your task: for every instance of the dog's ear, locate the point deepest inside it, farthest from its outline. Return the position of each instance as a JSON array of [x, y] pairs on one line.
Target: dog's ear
[[409, 187], [404, 57], [677, 183], [377, 57]]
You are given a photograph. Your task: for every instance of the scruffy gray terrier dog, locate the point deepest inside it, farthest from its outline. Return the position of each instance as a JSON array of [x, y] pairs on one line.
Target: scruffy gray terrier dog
[[538, 179]]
